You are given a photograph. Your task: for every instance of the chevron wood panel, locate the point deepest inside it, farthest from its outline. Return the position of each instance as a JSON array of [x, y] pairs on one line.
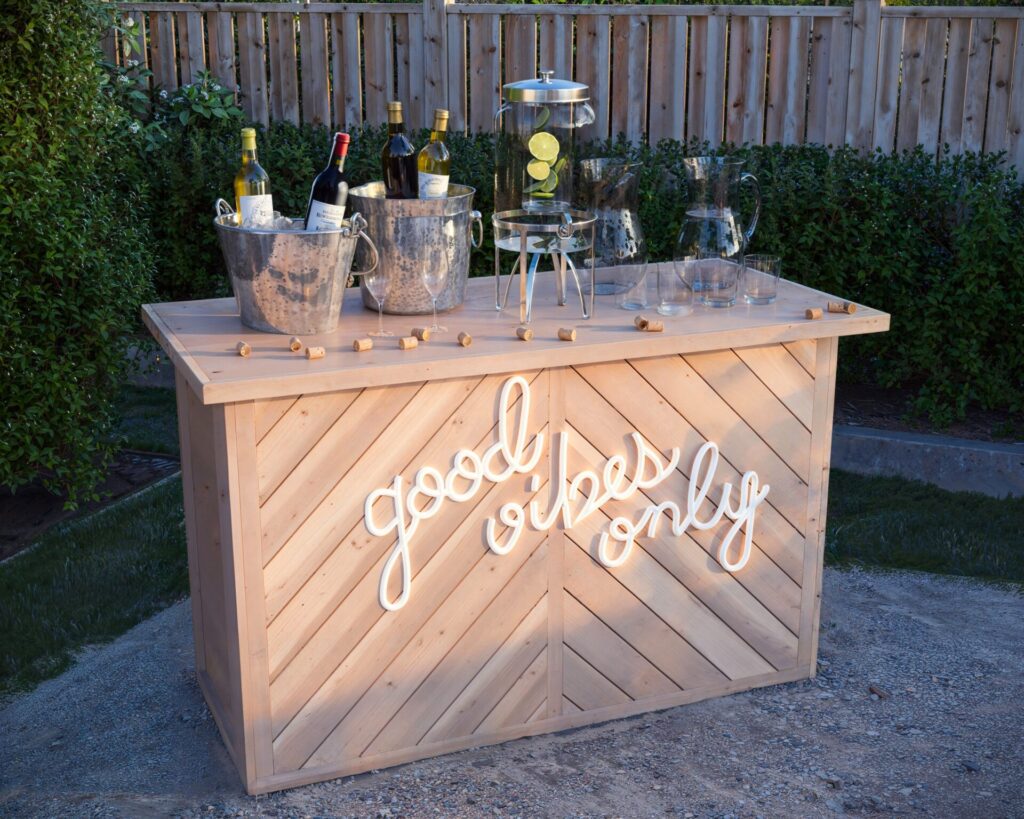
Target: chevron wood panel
[[491, 646]]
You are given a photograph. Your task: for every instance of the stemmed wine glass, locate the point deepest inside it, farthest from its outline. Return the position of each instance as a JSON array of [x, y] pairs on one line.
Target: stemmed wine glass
[[377, 284], [435, 276]]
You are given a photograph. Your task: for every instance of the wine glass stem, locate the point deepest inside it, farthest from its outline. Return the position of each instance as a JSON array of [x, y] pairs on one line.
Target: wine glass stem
[[380, 317], [434, 301]]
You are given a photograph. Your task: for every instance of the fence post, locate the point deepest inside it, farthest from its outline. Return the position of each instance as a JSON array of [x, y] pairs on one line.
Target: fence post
[[863, 77], [435, 55]]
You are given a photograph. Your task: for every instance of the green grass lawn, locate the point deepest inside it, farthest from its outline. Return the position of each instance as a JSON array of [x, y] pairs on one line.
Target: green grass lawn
[[91, 579]]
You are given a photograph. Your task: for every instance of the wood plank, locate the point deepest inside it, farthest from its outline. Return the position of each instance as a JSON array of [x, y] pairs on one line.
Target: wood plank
[[778, 69], [863, 76], [338, 71], [838, 81], [569, 707], [599, 590], [997, 114], [979, 62], [629, 77], [485, 72], [804, 352], [557, 545], [887, 98], [818, 94], [523, 699], [755, 67], [667, 99], [1015, 118], [912, 88], [586, 687], [402, 80], [610, 655], [140, 50], [108, 45], [735, 103], [416, 93], [352, 105], [253, 67], [520, 48], [436, 45], [269, 412], [930, 114], [220, 34], [379, 65], [193, 50], [955, 90], [284, 82], [456, 56], [714, 81], [794, 117], [784, 376], [316, 101], [556, 36], [698, 79], [593, 67], [162, 50]]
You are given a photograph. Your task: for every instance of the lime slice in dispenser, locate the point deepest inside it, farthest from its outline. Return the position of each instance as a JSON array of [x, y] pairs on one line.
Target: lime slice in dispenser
[[559, 165], [549, 184], [543, 115], [543, 195], [538, 169], [544, 146]]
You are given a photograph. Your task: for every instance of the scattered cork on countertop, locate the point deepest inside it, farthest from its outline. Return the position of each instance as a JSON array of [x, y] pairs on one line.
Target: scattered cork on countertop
[[361, 345], [243, 349], [524, 333], [465, 339], [847, 307], [315, 352], [408, 343], [295, 344], [813, 313], [641, 322], [567, 334], [421, 333], [655, 326]]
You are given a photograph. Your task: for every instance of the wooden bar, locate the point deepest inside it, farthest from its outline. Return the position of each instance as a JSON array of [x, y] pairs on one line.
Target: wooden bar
[[714, 81], [321, 655]]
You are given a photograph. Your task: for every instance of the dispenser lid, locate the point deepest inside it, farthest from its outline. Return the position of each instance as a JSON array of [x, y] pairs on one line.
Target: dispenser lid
[[546, 89]]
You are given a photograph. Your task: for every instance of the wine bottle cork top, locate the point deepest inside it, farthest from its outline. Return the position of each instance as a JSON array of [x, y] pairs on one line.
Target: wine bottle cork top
[[248, 132], [395, 105], [440, 113], [248, 139]]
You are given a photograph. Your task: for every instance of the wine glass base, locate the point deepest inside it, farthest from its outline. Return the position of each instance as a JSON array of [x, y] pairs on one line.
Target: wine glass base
[[382, 334], [437, 328]]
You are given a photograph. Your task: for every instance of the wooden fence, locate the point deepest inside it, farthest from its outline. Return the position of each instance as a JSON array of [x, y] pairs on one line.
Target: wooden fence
[[867, 75]]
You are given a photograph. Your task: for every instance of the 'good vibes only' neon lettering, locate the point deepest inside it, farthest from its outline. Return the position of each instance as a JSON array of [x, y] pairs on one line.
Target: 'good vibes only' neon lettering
[[573, 500]]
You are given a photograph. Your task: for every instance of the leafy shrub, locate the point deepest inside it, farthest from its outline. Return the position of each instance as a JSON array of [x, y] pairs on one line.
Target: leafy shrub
[[74, 250]]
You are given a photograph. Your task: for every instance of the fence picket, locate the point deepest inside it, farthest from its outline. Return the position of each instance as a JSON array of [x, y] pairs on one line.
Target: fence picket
[[755, 76], [817, 95], [794, 117], [955, 93], [457, 72], [863, 76], [778, 70], [253, 66], [163, 63], [1015, 116], [734, 102], [485, 74], [417, 93], [556, 44], [838, 81], [698, 78], [378, 51], [979, 62], [714, 81], [629, 76], [668, 78], [316, 101], [284, 97], [196, 44], [593, 66], [931, 85], [888, 83], [220, 35], [999, 85], [911, 92]]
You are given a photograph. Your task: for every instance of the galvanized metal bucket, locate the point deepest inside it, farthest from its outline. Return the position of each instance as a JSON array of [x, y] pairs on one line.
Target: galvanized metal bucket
[[413, 234], [287, 280]]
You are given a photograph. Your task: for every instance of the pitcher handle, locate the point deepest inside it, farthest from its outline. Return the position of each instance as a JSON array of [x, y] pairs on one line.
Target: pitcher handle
[[476, 220], [748, 234], [357, 223]]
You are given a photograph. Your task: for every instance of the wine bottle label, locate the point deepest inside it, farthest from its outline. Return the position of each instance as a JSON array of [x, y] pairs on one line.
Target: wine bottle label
[[325, 217], [257, 210], [433, 186]]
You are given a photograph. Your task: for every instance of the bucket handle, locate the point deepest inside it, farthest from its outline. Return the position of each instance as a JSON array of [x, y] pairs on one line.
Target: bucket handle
[[476, 221], [357, 223], [222, 208]]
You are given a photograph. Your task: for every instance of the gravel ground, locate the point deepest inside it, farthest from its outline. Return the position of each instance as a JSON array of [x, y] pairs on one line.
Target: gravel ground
[[125, 732]]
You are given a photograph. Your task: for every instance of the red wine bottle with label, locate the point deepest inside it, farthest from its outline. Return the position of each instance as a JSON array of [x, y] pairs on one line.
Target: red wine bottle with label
[[326, 208]]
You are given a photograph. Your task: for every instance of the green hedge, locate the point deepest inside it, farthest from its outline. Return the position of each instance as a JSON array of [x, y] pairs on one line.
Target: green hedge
[[74, 248], [940, 245]]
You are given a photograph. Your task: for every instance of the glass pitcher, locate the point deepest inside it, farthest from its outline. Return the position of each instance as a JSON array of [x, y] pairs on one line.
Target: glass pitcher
[[610, 189], [712, 223]]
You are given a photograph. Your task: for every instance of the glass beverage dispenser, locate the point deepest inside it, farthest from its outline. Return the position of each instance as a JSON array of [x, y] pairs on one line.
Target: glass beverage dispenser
[[533, 185]]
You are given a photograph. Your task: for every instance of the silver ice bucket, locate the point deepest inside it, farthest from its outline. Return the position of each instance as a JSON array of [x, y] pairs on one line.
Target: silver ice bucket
[[412, 234], [285, 279]]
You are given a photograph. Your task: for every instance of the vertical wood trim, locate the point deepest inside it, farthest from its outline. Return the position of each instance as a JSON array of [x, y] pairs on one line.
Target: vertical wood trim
[[108, 45], [184, 66], [931, 85], [999, 85], [316, 103], [888, 83], [189, 505], [220, 32], [817, 495], [235, 442], [284, 83], [456, 57], [435, 54], [838, 81], [593, 64], [521, 47], [860, 106], [556, 554]]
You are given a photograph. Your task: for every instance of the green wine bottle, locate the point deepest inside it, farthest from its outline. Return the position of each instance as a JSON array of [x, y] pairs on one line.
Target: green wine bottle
[[253, 202], [434, 162]]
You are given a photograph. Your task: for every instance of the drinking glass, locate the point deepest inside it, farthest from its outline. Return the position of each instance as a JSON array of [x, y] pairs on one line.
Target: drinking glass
[[761, 278], [435, 275], [631, 285], [675, 286], [378, 284], [717, 280]]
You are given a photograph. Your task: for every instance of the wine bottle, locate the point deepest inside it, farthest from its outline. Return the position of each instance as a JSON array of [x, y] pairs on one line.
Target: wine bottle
[[398, 159], [326, 208], [253, 202], [434, 162]]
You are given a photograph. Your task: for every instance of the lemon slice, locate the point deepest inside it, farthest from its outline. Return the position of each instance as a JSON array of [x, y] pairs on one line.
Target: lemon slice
[[544, 146], [538, 169], [549, 184]]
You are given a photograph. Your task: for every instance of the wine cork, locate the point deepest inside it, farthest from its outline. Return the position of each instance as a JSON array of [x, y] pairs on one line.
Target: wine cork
[[421, 333], [315, 352], [295, 344], [465, 339], [243, 349], [361, 345], [813, 313], [524, 332], [655, 326], [640, 322], [847, 307], [567, 333], [408, 343]]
